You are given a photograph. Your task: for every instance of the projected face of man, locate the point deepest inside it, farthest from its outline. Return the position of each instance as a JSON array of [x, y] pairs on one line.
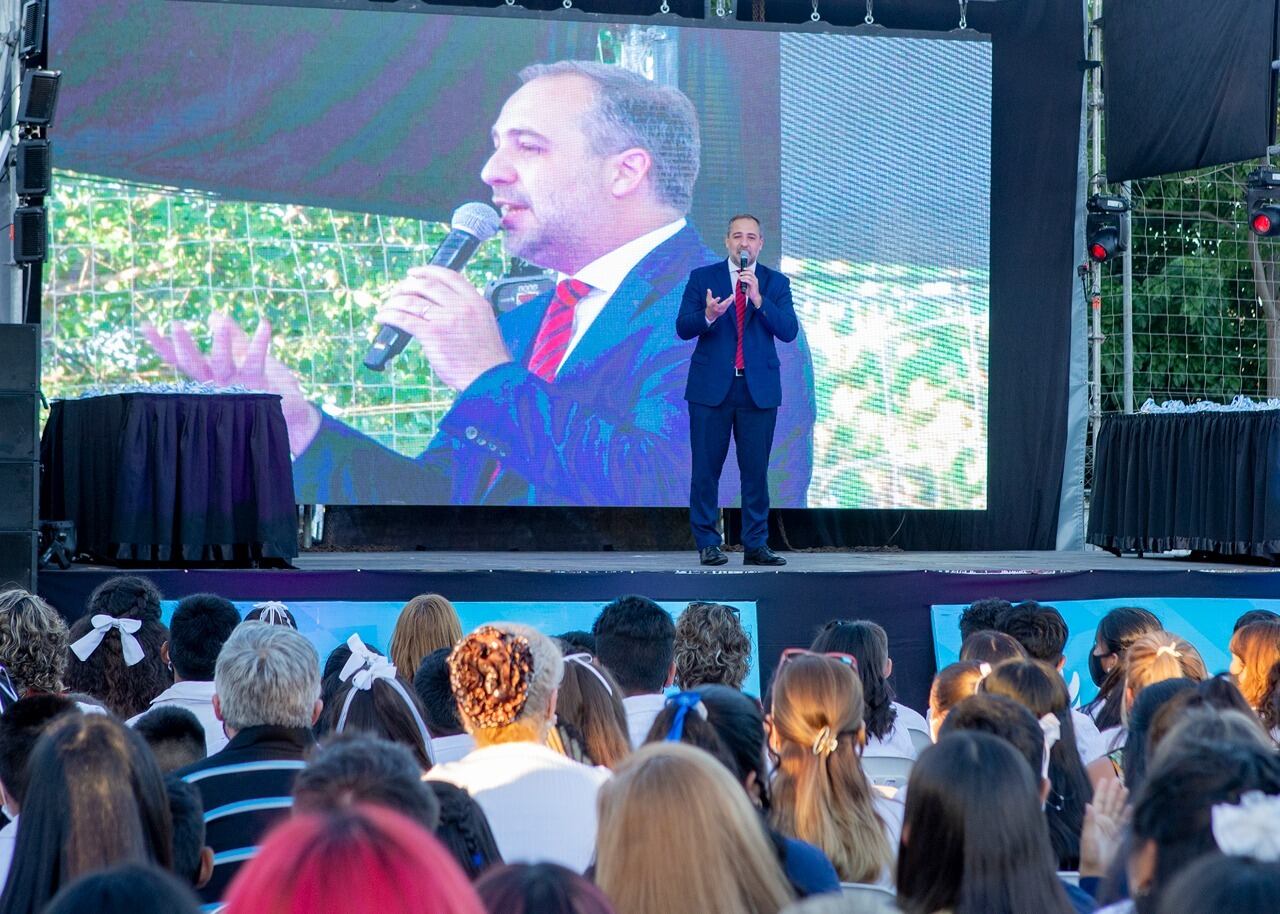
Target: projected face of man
[[563, 204]]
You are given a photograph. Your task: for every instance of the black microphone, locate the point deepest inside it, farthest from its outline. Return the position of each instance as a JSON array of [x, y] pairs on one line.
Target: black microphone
[[472, 225], [742, 265]]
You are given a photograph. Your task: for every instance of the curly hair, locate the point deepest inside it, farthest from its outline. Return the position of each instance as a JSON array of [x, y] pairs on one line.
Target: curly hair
[[125, 690], [33, 642], [712, 647], [504, 678]]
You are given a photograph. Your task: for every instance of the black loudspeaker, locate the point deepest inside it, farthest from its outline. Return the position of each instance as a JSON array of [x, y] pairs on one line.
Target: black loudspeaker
[[19, 453], [30, 234], [35, 168]]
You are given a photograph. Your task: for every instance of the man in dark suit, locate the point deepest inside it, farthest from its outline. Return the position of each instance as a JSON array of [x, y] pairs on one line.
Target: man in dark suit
[[735, 309]]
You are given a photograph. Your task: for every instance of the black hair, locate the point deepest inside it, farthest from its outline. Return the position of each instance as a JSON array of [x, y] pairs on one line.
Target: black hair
[[439, 707], [981, 615], [1038, 628], [384, 711], [20, 727], [867, 643], [99, 801], [636, 642], [1145, 706], [130, 889], [1255, 615], [539, 888], [696, 731], [331, 684], [276, 614], [201, 624], [464, 829], [974, 836], [1174, 807], [999, 716], [348, 770], [125, 690], [1217, 882], [577, 642], [175, 735], [1118, 629], [186, 807]]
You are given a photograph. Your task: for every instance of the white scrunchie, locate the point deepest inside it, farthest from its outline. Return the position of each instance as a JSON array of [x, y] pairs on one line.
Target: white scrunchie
[[1250, 828], [130, 647], [1051, 727]]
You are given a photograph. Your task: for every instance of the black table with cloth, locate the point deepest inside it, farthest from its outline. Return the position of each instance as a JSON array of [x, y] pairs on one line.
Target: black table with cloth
[[1206, 481], [171, 477]]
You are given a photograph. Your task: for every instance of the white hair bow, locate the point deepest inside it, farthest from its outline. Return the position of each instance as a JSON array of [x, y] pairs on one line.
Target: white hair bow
[[1051, 727], [102, 623], [1250, 828], [273, 612], [364, 666]]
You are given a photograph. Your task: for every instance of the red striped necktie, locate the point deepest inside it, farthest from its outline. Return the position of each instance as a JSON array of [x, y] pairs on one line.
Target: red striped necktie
[[553, 336], [740, 311]]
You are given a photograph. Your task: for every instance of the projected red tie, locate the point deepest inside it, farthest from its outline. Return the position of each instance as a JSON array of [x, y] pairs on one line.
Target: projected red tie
[[740, 307], [557, 329]]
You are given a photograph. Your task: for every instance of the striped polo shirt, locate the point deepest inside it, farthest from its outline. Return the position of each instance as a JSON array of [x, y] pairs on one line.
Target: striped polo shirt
[[246, 789]]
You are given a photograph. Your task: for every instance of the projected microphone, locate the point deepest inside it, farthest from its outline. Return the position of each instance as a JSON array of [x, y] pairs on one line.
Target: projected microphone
[[472, 225]]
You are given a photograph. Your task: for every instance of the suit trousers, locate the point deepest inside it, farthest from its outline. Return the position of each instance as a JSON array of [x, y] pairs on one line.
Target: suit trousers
[[752, 431]]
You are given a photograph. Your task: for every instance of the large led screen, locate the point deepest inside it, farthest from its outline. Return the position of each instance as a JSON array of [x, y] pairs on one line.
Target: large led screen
[[242, 192]]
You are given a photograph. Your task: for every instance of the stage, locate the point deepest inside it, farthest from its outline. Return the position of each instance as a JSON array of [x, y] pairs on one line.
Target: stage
[[897, 589]]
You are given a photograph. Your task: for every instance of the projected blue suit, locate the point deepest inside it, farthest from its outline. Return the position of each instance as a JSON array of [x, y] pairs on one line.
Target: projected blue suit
[[610, 430]]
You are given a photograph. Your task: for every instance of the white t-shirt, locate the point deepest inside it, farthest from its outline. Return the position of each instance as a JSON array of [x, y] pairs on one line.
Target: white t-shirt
[[540, 804], [897, 742], [8, 838], [1089, 741], [451, 748], [196, 697], [642, 710]]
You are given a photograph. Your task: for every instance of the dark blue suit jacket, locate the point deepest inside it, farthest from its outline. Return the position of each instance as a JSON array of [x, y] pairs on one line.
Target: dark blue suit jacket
[[711, 367], [612, 429]]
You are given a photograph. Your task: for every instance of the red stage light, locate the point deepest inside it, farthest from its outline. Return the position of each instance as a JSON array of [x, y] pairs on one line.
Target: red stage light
[[1262, 224], [1097, 253]]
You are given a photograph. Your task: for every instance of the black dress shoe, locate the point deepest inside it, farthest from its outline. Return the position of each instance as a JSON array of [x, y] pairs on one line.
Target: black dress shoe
[[712, 555], [762, 556]]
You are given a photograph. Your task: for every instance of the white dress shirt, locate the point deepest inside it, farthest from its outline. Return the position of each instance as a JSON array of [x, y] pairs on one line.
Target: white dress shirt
[[642, 710], [541, 805], [1089, 741], [196, 697], [451, 748], [606, 273], [897, 742]]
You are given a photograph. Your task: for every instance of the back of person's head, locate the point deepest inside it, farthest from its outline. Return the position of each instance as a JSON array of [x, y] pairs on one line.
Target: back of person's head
[[1038, 628], [1040, 688], [129, 889], [1254, 615], [712, 647], [464, 830], [307, 864], [1120, 627], [725, 723], [1217, 883], [867, 643], [981, 615], [577, 642], [347, 771], [1173, 727], [677, 833], [991, 647], [99, 801], [820, 793], [427, 623], [539, 888], [635, 640], [1005, 718], [683, 719], [1173, 810], [373, 701], [33, 642], [175, 736], [20, 728], [201, 624], [1145, 707], [115, 651], [953, 684], [272, 612], [192, 860], [504, 678], [590, 700], [973, 837], [267, 675], [1108, 660], [1157, 656], [431, 683], [1255, 650]]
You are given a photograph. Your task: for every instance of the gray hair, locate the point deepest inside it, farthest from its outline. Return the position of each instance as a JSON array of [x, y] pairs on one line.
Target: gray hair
[[633, 111], [267, 675], [548, 671]]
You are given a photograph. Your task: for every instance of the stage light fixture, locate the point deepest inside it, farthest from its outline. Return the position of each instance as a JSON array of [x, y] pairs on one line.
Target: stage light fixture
[[39, 97], [34, 168], [30, 234], [1262, 194], [31, 35], [1108, 217]]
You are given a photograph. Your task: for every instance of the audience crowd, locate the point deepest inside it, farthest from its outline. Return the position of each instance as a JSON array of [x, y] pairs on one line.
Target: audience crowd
[[220, 763]]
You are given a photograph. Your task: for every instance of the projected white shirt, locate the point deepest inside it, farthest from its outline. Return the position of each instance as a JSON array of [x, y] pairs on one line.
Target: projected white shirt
[[605, 274]]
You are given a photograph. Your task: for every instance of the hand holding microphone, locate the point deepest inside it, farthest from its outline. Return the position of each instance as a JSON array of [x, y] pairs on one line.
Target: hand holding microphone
[[747, 281]]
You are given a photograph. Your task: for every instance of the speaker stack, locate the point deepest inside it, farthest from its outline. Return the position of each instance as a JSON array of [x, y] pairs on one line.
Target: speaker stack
[[19, 453]]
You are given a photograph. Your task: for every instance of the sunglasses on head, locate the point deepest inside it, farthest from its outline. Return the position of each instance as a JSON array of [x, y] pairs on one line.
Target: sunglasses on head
[[792, 652]]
